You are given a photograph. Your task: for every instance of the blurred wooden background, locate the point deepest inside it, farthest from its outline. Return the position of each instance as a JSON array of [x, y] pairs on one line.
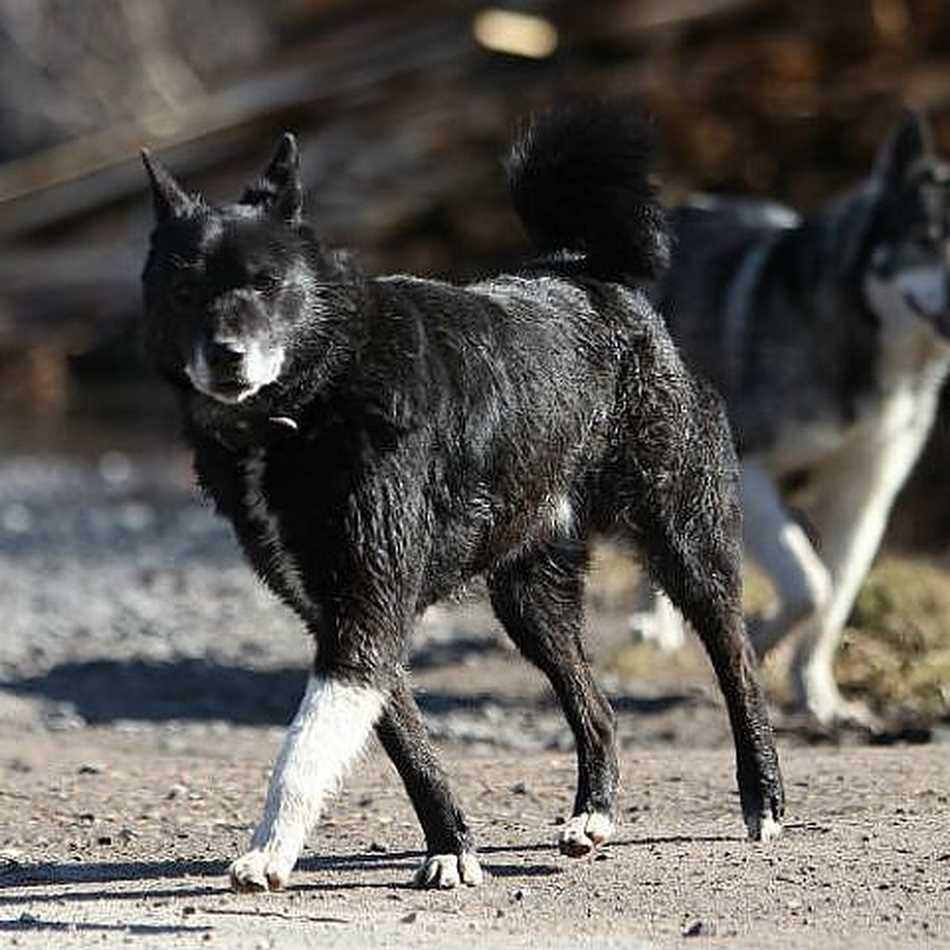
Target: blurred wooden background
[[404, 110]]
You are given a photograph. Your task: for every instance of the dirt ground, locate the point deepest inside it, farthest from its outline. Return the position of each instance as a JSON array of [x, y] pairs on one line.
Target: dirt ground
[[114, 840], [144, 682]]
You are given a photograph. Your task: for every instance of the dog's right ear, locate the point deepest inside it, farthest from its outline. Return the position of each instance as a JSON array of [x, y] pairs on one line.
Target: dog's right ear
[[169, 198], [910, 142], [279, 190]]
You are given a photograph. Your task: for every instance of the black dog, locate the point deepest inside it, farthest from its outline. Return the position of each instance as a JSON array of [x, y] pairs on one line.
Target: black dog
[[377, 442]]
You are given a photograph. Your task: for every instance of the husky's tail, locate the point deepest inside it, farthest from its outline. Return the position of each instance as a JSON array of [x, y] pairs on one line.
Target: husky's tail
[[579, 181]]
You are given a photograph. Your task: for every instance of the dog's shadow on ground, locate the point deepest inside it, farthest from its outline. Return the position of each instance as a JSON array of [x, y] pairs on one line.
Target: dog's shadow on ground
[[54, 883], [33, 882], [106, 691]]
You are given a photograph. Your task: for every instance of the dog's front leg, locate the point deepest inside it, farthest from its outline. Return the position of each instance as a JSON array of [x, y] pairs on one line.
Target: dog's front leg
[[450, 854], [327, 734], [539, 600]]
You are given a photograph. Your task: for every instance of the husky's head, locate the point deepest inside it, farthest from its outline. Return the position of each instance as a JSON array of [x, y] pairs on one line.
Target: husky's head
[[908, 275], [228, 287]]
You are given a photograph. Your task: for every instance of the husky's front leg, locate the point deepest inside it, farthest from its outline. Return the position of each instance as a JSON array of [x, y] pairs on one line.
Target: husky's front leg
[[327, 734], [779, 546], [854, 500]]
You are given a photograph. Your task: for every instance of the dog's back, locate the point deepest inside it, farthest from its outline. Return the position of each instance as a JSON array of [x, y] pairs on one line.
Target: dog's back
[[760, 303]]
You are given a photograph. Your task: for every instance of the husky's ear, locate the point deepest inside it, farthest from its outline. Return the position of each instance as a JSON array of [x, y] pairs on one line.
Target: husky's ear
[[908, 143], [169, 197], [279, 190]]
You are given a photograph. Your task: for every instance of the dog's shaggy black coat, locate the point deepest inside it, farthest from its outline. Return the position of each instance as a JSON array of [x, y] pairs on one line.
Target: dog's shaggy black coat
[[420, 434]]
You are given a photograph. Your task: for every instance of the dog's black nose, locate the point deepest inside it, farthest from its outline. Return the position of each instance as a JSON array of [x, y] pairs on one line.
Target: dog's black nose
[[223, 356]]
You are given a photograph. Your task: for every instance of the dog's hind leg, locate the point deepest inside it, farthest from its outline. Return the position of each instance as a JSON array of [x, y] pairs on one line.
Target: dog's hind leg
[[539, 600], [335, 717], [450, 854], [691, 535]]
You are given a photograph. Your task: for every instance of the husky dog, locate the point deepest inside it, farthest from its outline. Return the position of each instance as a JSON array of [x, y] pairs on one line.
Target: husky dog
[[829, 337], [377, 442]]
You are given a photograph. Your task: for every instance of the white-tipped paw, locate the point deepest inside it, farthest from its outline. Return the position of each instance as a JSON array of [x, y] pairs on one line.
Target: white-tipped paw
[[764, 828], [260, 870], [584, 832], [445, 871]]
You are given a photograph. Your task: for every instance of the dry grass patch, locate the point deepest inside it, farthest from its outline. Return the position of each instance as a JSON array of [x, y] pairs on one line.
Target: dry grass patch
[[896, 649], [895, 653]]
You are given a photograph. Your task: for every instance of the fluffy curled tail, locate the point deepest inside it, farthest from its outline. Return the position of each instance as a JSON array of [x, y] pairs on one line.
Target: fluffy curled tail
[[579, 181]]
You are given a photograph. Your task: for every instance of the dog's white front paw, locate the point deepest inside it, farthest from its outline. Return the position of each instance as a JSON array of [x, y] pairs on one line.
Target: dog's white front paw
[[585, 832], [764, 828], [445, 871], [261, 870]]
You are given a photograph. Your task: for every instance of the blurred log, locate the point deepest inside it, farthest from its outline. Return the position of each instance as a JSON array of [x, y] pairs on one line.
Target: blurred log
[[75, 178], [403, 119], [34, 379], [65, 298]]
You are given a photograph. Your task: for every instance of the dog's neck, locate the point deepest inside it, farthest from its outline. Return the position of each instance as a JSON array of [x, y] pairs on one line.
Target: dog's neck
[[238, 427]]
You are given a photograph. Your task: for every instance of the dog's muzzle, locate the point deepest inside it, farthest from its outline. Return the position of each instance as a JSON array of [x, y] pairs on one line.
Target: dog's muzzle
[[232, 372]]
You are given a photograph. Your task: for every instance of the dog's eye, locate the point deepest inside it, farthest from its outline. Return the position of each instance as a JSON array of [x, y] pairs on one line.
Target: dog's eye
[[265, 281], [183, 294]]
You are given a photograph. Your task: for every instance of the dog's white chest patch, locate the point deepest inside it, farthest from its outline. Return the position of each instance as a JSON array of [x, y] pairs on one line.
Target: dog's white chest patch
[[286, 571], [562, 514]]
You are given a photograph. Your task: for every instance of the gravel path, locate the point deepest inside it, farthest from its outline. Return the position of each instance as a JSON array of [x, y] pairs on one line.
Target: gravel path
[[127, 604], [144, 680], [118, 842]]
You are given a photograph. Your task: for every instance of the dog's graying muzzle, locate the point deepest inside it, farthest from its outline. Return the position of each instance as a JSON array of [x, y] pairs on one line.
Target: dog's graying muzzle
[[224, 357]]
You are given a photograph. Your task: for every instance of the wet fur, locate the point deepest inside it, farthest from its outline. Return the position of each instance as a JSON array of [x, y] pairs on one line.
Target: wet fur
[[421, 434]]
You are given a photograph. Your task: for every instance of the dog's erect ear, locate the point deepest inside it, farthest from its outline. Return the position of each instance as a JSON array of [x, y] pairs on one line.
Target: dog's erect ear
[[908, 143], [169, 197], [279, 190]]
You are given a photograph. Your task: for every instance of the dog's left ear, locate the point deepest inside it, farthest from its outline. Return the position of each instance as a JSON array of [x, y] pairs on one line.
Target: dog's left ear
[[279, 190], [910, 141]]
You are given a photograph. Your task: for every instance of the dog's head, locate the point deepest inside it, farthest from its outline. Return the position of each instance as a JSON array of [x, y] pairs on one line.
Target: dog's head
[[228, 286], [909, 239]]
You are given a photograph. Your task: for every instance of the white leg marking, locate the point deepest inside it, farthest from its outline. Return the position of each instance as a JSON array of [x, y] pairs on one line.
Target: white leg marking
[[445, 871], [326, 736], [584, 832]]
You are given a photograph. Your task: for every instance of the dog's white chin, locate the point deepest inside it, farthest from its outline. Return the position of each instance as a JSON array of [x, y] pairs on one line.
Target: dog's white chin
[[228, 398], [261, 368]]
